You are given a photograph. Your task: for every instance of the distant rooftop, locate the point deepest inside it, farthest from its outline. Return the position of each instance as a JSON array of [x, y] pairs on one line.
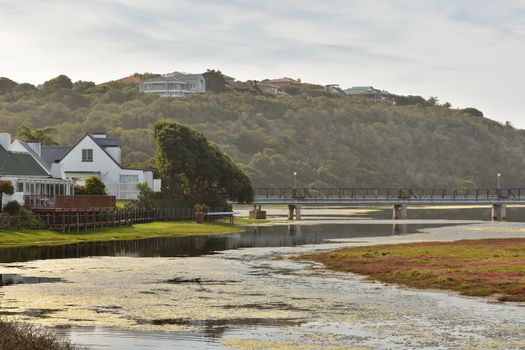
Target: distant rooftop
[[284, 80], [364, 90]]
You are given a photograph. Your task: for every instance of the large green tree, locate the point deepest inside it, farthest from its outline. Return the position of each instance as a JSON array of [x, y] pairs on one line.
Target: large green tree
[[195, 169], [215, 81]]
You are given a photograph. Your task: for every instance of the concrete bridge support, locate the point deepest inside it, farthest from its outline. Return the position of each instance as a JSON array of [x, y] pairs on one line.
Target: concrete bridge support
[[399, 211], [499, 212], [292, 209], [257, 213]]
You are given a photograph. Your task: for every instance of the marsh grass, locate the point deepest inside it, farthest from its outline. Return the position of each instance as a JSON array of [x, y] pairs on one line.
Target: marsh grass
[[471, 267], [25, 336]]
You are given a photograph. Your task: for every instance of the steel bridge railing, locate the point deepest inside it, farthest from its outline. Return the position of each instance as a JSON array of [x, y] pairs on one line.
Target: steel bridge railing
[[407, 194]]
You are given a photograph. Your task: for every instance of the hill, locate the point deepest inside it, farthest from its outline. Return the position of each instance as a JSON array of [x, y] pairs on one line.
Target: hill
[[329, 139]]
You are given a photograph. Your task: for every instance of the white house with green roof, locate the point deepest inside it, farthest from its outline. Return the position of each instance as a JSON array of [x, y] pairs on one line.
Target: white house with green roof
[[28, 174]]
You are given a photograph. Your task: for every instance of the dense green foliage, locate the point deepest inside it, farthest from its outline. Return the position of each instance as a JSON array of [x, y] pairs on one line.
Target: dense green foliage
[[12, 208], [329, 139], [6, 187], [93, 186], [197, 170], [215, 81]]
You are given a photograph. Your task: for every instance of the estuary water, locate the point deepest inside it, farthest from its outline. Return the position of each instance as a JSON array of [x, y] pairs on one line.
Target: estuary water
[[241, 291]]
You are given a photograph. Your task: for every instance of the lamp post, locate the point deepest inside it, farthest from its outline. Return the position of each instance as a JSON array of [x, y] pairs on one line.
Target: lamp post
[[499, 176], [294, 180]]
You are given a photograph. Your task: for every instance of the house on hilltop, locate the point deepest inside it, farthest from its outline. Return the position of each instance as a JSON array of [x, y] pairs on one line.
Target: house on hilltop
[[282, 81], [174, 84], [371, 92]]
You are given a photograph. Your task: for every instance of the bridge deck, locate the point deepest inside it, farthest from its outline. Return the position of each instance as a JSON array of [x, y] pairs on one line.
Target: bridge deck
[[387, 196]]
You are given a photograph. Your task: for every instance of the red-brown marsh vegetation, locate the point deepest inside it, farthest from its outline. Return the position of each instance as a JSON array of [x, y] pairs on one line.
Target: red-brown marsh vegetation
[[471, 267]]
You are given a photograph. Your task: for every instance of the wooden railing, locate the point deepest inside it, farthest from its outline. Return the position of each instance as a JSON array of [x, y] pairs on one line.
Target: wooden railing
[[68, 221]]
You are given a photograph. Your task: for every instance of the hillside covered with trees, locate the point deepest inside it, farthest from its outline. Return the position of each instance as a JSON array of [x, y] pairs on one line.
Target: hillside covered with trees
[[329, 139]]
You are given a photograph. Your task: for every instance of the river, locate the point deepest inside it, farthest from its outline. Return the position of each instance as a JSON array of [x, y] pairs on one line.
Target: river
[[240, 291]]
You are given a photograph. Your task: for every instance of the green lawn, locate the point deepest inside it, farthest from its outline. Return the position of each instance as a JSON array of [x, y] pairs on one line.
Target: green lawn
[[138, 231]]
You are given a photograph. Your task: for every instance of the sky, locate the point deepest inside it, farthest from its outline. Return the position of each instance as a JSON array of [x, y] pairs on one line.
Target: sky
[[470, 53]]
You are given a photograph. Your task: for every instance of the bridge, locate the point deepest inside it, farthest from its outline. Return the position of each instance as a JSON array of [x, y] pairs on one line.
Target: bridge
[[399, 198]]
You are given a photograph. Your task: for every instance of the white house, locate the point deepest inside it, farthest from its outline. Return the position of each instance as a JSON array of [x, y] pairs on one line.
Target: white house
[[27, 172], [98, 155], [174, 84]]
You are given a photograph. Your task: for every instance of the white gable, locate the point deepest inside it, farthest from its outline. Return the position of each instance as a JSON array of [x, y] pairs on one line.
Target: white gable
[[119, 181]]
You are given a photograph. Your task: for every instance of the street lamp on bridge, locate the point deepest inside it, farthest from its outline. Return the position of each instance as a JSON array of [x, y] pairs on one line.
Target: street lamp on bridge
[[499, 176], [295, 179]]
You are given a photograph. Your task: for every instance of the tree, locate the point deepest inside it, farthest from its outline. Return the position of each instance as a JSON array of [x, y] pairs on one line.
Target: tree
[[215, 81], [145, 197], [432, 101], [6, 85], [60, 82], [472, 111], [94, 186], [37, 135], [6, 187], [195, 169]]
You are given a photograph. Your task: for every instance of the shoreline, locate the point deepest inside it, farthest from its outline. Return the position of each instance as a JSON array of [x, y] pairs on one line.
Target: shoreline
[[25, 238]]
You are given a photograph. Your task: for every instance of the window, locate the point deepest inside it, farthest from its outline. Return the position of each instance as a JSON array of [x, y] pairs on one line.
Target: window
[[20, 187], [87, 155], [129, 178]]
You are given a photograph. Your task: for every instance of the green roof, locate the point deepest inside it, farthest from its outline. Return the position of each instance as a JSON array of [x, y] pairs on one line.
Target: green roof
[[364, 90], [21, 164]]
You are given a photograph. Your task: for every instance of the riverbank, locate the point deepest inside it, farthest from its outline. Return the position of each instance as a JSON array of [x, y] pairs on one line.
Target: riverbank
[[471, 267], [12, 238]]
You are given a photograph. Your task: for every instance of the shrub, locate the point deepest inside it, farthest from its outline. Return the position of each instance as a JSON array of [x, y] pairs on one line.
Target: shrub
[[12, 208], [80, 190], [95, 186], [24, 336], [26, 218], [6, 187]]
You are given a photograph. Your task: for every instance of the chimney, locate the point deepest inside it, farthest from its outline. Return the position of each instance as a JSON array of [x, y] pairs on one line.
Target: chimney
[[99, 135], [5, 140]]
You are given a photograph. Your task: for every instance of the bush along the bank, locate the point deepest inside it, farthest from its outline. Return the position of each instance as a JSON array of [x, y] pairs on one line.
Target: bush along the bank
[[25, 336]]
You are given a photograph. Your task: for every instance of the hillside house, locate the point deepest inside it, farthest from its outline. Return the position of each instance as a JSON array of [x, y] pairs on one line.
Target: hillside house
[[98, 155], [282, 81], [174, 84], [370, 92]]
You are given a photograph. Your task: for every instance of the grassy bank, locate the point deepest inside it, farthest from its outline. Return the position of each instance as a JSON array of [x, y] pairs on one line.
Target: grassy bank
[[138, 231], [470, 267]]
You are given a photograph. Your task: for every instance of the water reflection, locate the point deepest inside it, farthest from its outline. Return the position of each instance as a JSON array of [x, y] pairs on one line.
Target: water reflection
[[8, 279], [267, 236]]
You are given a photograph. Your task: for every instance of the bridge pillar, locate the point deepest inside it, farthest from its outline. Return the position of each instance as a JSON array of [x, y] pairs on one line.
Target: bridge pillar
[[297, 212], [399, 211], [499, 212], [291, 209], [257, 213]]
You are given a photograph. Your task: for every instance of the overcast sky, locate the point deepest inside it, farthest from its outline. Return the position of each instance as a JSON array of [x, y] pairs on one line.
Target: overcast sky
[[468, 53]]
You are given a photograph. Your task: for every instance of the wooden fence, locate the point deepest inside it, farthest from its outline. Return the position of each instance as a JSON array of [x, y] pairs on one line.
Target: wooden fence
[[69, 221]]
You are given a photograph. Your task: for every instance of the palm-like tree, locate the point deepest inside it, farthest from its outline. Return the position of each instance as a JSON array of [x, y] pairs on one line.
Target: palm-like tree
[[42, 135]]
